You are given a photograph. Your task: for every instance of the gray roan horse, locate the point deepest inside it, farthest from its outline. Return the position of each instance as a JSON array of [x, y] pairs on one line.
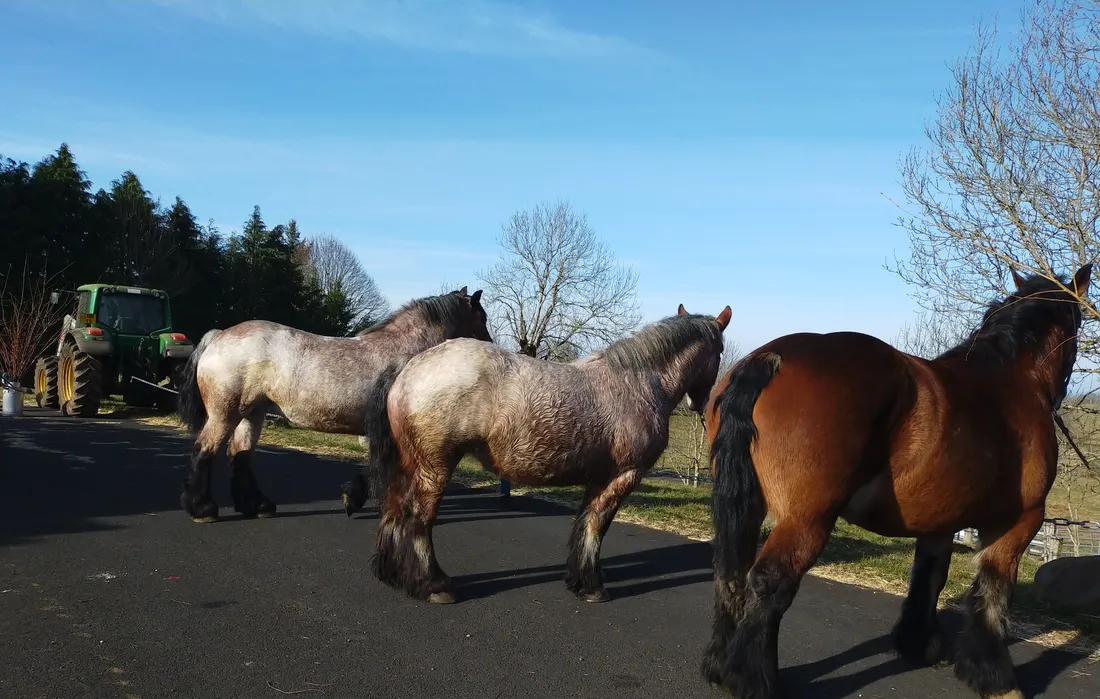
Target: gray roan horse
[[600, 421], [237, 375]]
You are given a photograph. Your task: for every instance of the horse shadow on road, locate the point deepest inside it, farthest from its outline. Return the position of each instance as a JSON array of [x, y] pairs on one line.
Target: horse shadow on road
[[62, 475], [812, 679]]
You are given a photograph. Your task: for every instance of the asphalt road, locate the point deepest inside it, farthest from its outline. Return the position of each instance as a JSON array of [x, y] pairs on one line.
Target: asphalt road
[[109, 590]]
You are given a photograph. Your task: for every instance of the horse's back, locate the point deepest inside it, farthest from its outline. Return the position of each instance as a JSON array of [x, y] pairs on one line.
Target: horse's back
[[836, 367], [511, 408], [317, 381]]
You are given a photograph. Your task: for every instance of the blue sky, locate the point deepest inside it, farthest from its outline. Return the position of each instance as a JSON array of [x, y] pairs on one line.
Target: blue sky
[[733, 153]]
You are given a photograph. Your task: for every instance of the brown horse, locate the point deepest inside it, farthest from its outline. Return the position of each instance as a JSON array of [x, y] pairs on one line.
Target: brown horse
[[600, 421], [816, 427], [238, 375]]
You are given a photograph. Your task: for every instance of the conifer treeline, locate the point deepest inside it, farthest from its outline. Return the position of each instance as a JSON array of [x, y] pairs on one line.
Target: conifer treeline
[[51, 219]]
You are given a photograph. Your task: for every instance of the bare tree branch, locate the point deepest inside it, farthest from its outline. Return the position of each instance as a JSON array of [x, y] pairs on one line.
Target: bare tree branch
[[29, 323], [731, 352], [1011, 176], [334, 265], [932, 334], [557, 292]]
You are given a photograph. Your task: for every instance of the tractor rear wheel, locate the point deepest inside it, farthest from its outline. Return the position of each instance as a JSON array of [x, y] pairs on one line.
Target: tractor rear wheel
[[80, 382], [45, 383]]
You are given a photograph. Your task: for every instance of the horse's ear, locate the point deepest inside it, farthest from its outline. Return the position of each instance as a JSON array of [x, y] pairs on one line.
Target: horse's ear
[[1016, 278], [476, 296], [724, 317], [682, 311], [1081, 280], [462, 291]]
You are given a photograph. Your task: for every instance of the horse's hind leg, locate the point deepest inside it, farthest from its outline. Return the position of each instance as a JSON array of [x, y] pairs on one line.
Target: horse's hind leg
[[981, 658], [732, 563], [404, 554], [354, 493], [247, 498], [917, 635], [749, 664], [196, 498], [583, 575]]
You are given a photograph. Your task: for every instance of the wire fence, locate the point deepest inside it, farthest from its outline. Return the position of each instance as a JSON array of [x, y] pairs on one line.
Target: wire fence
[[1059, 538]]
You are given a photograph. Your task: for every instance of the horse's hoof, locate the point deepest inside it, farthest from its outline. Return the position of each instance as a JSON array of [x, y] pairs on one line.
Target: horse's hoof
[[203, 511], [600, 595], [349, 509], [265, 514], [1014, 694], [441, 598]]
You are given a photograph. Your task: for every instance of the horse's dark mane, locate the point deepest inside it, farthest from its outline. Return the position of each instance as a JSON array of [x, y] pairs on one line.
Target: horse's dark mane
[[660, 341], [1018, 322], [446, 310]]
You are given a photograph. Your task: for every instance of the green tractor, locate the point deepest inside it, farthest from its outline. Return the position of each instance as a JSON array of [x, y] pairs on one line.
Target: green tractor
[[114, 335]]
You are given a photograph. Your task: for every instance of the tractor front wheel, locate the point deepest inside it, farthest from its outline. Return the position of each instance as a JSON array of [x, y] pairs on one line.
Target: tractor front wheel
[[45, 383], [80, 382]]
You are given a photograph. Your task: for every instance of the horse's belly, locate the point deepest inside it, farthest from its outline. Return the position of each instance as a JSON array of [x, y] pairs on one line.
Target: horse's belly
[[873, 505], [544, 466], [333, 419], [909, 508]]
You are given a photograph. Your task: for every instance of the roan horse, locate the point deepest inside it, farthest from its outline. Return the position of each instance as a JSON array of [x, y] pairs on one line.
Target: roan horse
[[814, 427], [235, 376], [600, 421]]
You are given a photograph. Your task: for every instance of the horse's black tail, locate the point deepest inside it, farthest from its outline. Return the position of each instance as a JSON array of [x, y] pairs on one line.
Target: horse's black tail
[[192, 411], [382, 464], [738, 506]]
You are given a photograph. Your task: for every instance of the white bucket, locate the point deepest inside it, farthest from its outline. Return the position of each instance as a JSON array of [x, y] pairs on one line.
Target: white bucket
[[13, 402]]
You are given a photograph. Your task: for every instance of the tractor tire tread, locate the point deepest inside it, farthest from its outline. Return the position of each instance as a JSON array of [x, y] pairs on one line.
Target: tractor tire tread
[[87, 385], [48, 399]]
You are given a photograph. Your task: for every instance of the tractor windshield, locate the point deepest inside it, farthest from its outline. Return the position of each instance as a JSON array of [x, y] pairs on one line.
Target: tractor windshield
[[131, 314]]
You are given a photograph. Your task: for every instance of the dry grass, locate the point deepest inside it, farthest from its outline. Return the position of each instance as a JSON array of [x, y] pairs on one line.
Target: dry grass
[[853, 555]]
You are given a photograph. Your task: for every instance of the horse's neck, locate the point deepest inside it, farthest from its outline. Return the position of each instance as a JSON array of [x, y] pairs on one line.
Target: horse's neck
[[1047, 362], [407, 339], [1040, 365], [664, 386]]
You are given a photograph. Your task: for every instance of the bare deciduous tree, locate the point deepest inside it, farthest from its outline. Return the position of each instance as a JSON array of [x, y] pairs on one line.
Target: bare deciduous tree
[[29, 323], [1011, 180], [1011, 177], [335, 265], [557, 292], [932, 334], [731, 352]]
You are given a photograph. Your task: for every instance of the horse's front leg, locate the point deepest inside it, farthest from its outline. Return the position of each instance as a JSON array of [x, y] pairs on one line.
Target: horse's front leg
[[584, 576], [917, 635], [982, 660], [247, 497]]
